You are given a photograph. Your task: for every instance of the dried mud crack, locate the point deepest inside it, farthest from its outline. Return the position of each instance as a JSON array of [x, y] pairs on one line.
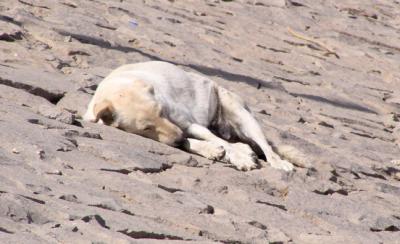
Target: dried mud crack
[[52, 97]]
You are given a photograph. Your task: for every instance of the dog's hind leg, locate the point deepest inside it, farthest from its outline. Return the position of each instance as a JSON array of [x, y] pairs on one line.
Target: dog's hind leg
[[236, 114]]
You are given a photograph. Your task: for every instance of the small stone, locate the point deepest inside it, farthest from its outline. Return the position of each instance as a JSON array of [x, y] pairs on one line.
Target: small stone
[[67, 166], [222, 189], [397, 176], [41, 154], [56, 113], [68, 39], [56, 226], [395, 162], [50, 57], [207, 210], [183, 159], [15, 151], [56, 172], [197, 13], [69, 198]]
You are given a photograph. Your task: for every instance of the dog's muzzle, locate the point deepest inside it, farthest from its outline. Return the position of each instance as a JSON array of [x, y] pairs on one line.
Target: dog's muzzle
[[178, 142]]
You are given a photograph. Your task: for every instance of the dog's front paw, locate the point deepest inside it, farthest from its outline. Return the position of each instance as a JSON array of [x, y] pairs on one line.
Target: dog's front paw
[[241, 156], [215, 152], [278, 163], [210, 150]]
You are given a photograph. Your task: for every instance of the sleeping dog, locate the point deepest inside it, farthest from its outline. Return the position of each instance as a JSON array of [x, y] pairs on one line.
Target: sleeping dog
[[158, 100]]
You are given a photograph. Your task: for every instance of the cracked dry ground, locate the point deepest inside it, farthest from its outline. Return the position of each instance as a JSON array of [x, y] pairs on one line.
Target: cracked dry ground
[[322, 77]]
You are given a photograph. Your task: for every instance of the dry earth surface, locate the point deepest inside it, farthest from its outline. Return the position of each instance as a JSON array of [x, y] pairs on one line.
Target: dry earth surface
[[322, 77]]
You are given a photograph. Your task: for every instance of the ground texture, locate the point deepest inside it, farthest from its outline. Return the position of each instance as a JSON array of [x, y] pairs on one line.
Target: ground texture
[[322, 77]]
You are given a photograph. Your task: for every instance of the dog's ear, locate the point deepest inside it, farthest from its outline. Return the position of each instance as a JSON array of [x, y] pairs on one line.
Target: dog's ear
[[104, 110]]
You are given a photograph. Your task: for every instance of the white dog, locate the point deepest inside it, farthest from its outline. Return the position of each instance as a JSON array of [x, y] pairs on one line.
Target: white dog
[[160, 101]]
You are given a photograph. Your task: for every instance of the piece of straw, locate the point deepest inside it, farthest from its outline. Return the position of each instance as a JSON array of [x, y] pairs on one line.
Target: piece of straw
[[313, 41]]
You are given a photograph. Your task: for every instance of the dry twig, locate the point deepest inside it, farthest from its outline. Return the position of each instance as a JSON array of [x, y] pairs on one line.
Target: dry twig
[[313, 41]]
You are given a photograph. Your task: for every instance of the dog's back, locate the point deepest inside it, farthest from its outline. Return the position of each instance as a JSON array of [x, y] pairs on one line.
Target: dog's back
[[185, 97]]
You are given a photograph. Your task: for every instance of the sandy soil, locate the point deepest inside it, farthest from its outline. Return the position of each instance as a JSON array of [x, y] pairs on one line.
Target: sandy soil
[[321, 76]]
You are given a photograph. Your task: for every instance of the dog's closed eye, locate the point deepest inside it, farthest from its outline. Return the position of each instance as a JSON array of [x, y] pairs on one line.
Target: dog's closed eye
[[148, 128]]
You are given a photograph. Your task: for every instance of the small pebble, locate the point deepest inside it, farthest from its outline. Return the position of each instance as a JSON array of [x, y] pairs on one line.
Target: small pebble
[[55, 172], [41, 154]]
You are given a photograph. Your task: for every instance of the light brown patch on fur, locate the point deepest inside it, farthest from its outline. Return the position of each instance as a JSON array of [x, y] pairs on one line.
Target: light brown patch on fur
[[133, 109]]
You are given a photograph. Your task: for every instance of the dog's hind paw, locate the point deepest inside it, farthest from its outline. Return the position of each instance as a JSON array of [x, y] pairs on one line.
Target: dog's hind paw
[[241, 156], [278, 163]]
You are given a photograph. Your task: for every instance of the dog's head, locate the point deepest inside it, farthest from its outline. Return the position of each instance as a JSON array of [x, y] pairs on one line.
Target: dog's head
[[134, 109]]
